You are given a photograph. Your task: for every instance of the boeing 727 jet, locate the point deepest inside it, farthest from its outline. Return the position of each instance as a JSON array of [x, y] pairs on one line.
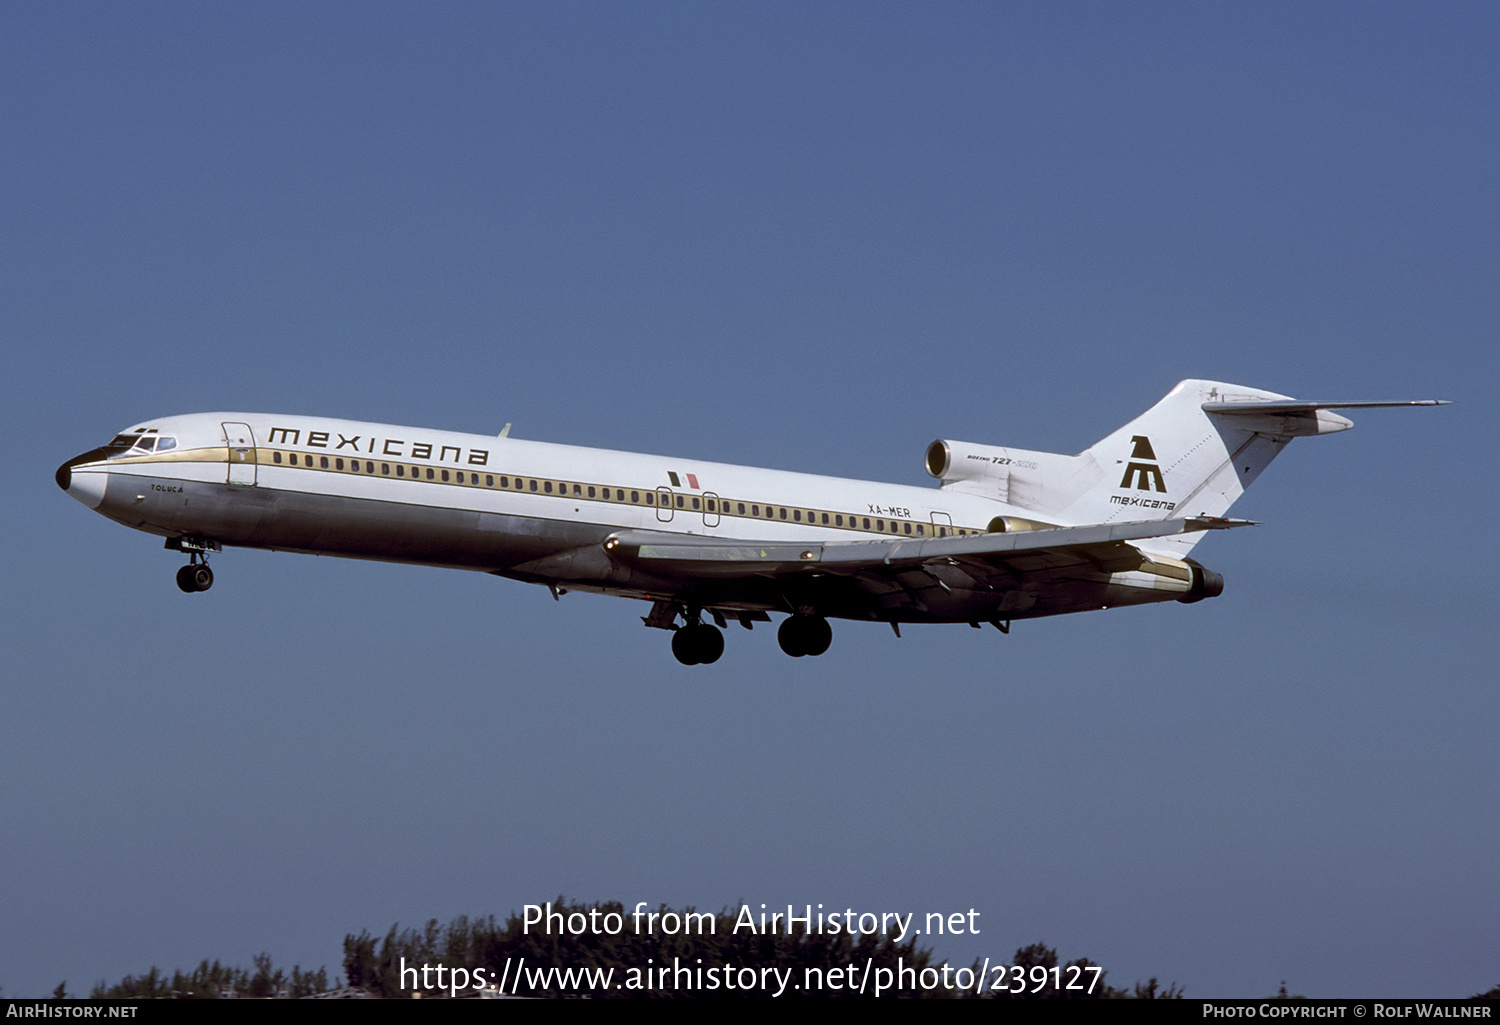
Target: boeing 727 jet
[[1006, 535]]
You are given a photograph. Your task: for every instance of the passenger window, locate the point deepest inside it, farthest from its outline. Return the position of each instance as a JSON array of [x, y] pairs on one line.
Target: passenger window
[[920, 531], [679, 501], [385, 469], [323, 462], [782, 512], [906, 527], [276, 457], [635, 496], [740, 508], [797, 515], [755, 510], [489, 480], [400, 470], [867, 522], [650, 498], [429, 473], [838, 520], [547, 487], [532, 484], [695, 501], [445, 476], [825, 519]]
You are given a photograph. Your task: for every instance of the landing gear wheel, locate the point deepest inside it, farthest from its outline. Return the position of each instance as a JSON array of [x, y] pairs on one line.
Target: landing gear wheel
[[683, 648], [202, 576], [710, 644], [697, 644], [819, 635], [801, 635], [195, 577]]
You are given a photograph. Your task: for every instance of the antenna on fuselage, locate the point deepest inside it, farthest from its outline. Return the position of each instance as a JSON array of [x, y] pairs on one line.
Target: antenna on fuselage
[[505, 431]]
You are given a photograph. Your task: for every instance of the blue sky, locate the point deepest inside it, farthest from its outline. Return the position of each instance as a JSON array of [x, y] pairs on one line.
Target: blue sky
[[812, 237]]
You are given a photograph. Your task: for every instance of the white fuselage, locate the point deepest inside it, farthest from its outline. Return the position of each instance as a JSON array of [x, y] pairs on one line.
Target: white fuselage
[[495, 504]]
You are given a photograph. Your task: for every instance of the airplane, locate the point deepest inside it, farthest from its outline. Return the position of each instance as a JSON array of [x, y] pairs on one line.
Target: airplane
[[1007, 535]]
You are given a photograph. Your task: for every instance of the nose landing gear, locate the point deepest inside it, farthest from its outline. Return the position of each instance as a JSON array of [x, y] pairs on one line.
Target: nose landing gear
[[195, 576]]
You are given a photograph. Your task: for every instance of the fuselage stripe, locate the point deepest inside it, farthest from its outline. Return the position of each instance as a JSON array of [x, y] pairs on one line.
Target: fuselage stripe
[[708, 505]]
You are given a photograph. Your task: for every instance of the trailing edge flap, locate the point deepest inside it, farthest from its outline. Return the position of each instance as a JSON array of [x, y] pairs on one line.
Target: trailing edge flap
[[710, 557]]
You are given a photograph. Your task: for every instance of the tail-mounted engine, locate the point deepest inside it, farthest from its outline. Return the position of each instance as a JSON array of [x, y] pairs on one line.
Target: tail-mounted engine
[[954, 461], [1204, 583]]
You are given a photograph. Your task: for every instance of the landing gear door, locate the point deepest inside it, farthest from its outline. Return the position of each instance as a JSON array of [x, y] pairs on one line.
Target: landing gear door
[[241, 443]]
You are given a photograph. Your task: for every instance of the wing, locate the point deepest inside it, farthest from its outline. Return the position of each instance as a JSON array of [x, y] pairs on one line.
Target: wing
[[953, 579]]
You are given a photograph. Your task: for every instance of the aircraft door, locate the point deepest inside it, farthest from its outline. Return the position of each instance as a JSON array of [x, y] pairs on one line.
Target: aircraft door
[[710, 509], [664, 504], [240, 440]]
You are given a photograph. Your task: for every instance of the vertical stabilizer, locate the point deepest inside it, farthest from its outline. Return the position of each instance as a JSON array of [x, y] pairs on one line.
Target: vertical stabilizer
[[1175, 459]]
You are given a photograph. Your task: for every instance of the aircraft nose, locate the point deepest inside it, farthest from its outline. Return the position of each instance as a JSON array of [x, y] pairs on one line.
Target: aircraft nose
[[86, 486]]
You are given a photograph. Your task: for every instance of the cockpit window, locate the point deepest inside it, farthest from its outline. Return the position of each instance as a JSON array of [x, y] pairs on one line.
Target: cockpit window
[[138, 445]]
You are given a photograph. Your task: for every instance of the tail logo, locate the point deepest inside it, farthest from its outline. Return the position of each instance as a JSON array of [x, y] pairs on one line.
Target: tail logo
[[1143, 474]]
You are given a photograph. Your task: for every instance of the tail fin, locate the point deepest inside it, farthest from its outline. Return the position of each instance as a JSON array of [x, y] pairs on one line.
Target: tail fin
[[1177, 459], [1192, 454]]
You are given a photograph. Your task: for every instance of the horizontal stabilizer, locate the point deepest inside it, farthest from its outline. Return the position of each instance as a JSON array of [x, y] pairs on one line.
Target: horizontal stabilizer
[[1297, 406]]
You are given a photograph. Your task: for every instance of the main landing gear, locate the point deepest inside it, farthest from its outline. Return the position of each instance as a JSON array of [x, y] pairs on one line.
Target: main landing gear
[[697, 644], [195, 576], [804, 635]]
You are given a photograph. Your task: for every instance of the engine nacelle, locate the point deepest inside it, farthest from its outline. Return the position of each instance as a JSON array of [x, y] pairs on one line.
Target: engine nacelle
[[1205, 583], [952, 461], [1011, 524], [1039, 481]]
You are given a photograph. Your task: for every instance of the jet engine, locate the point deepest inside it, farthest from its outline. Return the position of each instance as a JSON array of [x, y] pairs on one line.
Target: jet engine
[[954, 461], [1204, 583]]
